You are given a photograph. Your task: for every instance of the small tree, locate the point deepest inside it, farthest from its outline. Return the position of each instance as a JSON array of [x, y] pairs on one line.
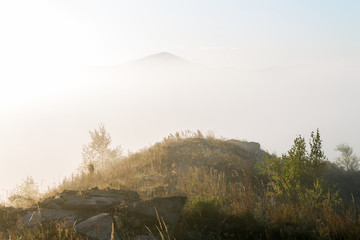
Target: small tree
[[295, 173], [316, 158], [98, 153], [26, 194], [347, 160]]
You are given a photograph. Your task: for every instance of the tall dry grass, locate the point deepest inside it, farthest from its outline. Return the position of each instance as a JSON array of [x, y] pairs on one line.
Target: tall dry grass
[[221, 204]]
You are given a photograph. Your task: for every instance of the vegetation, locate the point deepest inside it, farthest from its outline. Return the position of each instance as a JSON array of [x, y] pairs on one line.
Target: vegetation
[[98, 154], [296, 176], [235, 190], [347, 160], [25, 195]]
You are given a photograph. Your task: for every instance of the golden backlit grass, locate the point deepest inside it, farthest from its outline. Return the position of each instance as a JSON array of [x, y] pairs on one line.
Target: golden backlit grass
[[221, 204]]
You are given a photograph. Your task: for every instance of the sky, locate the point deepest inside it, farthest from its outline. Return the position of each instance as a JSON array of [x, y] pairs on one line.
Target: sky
[[284, 68]]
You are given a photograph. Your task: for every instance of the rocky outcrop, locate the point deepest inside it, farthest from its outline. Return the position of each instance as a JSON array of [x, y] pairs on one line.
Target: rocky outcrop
[[74, 206], [99, 213], [251, 147]]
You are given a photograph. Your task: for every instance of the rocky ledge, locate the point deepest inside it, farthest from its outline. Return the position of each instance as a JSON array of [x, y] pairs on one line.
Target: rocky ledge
[[99, 213]]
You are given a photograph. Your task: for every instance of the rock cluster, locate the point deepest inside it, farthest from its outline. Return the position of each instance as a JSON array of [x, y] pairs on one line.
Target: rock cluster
[[99, 213]]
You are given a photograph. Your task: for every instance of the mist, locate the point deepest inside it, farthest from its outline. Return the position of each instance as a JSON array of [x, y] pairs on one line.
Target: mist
[[144, 100], [259, 72]]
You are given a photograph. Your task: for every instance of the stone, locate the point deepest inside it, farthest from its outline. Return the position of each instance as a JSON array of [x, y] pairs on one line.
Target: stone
[[92, 213], [168, 208], [142, 216], [68, 217], [98, 227], [32, 218]]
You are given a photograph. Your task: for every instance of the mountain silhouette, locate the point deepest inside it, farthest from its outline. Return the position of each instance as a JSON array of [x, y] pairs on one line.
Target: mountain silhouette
[[160, 59], [164, 56]]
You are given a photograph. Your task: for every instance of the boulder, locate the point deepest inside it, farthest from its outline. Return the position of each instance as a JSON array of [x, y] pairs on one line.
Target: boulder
[[98, 227], [168, 208]]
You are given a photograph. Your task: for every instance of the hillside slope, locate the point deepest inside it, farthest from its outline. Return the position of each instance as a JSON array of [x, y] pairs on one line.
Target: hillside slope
[[227, 197], [167, 167]]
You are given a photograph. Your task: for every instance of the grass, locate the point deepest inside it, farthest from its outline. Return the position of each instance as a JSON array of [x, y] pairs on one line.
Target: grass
[[227, 198]]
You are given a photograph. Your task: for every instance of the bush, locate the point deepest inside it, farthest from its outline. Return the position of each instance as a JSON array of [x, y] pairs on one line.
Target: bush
[[26, 194], [204, 211]]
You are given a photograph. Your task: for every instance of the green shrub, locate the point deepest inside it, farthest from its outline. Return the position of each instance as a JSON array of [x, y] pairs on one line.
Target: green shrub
[[204, 211]]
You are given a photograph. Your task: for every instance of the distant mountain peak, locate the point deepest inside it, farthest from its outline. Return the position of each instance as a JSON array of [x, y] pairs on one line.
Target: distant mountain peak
[[164, 56], [160, 60]]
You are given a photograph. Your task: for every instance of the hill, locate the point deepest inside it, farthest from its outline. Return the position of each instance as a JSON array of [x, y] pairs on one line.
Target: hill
[[167, 165], [227, 195]]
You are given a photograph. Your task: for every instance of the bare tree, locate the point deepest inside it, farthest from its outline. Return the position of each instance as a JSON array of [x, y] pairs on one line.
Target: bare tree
[[347, 160]]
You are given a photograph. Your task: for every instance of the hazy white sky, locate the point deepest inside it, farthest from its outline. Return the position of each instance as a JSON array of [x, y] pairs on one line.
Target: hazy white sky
[[213, 32], [43, 44]]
